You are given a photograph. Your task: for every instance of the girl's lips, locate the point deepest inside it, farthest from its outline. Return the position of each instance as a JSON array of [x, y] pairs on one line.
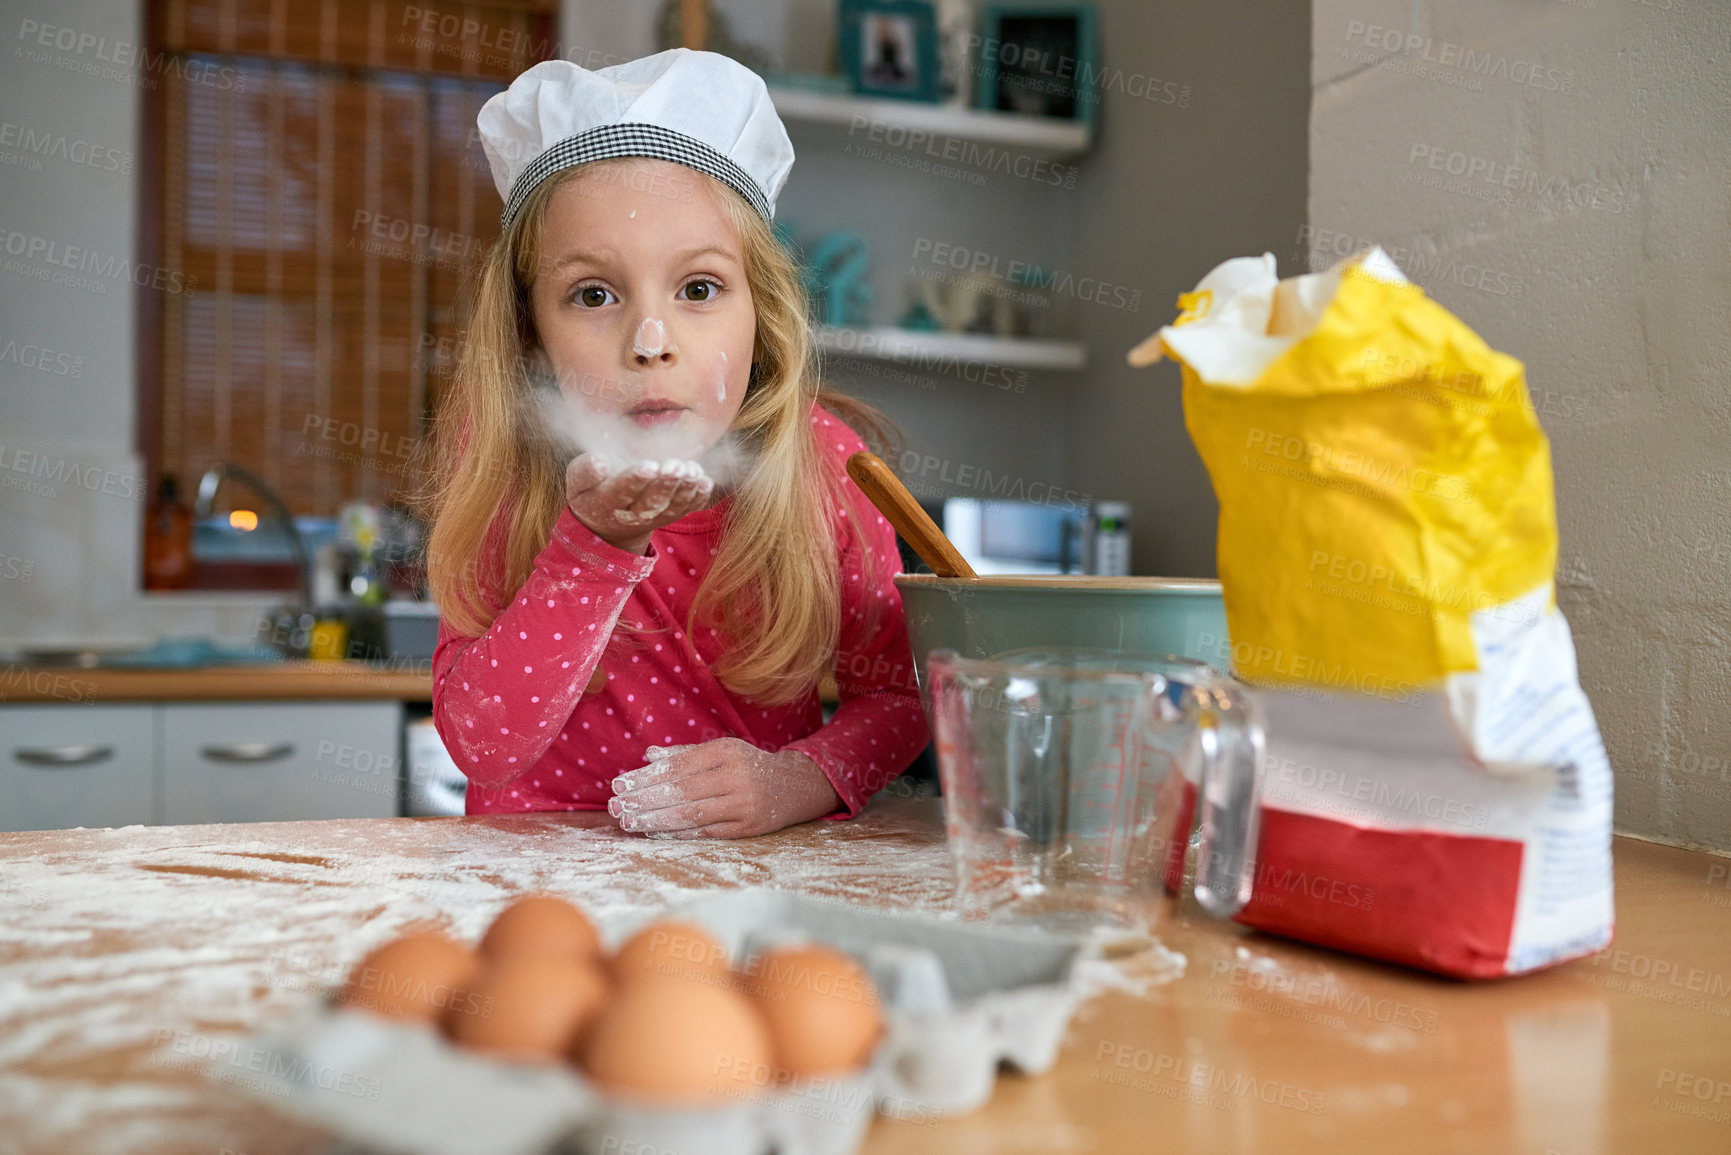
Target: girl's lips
[[652, 413]]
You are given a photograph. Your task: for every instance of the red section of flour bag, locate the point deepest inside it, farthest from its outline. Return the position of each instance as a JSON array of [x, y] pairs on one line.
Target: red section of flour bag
[[1443, 902]]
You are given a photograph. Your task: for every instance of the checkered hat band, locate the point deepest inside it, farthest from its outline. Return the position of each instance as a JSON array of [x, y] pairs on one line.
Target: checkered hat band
[[650, 140]]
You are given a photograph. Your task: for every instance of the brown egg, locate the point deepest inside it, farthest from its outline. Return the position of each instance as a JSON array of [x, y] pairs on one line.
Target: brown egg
[[821, 1008], [542, 924], [413, 977], [528, 1006], [672, 1042], [672, 950]]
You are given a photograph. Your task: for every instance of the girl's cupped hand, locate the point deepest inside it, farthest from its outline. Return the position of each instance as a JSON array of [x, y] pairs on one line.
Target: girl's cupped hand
[[624, 504], [725, 788]]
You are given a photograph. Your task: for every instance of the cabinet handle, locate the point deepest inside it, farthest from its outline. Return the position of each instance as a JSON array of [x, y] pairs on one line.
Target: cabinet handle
[[238, 752], [62, 755]]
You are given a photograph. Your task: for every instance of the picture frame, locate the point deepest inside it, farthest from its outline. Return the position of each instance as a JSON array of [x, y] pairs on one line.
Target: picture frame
[[890, 48], [1039, 59]]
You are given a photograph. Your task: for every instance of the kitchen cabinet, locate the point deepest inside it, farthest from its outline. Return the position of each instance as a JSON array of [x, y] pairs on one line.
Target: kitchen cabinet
[[77, 765], [193, 762], [280, 761]]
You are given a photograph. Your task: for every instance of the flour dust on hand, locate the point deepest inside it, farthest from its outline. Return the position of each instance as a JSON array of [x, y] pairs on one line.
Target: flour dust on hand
[[723, 788]]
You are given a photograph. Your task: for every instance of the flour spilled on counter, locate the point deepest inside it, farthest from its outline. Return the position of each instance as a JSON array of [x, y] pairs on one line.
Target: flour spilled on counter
[[62, 1115], [1134, 966], [154, 925], [107, 958]]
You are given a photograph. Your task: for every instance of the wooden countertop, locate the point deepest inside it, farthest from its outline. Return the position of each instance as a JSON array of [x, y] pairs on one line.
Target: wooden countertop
[[116, 947], [267, 680], [275, 680]]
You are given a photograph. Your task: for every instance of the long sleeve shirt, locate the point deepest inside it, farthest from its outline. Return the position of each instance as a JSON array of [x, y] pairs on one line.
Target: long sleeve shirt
[[516, 712]]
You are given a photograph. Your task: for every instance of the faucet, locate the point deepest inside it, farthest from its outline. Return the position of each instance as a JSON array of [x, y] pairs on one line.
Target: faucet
[[207, 486]]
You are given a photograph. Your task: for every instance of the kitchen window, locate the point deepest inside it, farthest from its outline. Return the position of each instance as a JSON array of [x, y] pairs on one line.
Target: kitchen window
[[316, 183]]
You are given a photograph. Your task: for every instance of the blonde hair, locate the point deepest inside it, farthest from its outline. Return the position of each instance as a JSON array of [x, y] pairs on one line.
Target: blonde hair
[[497, 479]]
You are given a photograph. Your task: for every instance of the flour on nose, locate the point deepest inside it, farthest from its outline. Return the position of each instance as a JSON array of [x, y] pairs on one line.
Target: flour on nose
[[651, 338]]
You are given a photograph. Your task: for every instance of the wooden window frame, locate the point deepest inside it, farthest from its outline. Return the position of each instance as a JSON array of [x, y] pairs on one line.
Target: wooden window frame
[[149, 303]]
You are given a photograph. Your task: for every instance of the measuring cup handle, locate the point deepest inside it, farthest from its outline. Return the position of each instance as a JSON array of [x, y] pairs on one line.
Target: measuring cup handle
[[1232, 745]]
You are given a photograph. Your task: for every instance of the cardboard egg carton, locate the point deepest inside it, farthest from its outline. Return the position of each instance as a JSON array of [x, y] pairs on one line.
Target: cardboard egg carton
[[958, 1000]]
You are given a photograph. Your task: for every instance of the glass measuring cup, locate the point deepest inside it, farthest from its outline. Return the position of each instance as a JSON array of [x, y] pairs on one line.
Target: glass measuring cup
[[1064, 774]]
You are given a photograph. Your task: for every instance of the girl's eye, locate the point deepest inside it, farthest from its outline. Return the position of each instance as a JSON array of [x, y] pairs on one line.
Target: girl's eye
[[701, 291], [594, 296]]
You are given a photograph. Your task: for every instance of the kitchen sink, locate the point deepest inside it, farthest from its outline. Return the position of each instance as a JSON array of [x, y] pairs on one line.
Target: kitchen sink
[[167, 654]]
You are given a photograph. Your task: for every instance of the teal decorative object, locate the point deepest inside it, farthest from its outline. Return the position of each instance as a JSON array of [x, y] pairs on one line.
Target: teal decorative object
[[1040, 59], [835, 269], [919, 318], [890, 47]]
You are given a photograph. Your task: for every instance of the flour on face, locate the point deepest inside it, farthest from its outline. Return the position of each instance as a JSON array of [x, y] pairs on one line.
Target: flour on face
[[586, 420], [651, 338]]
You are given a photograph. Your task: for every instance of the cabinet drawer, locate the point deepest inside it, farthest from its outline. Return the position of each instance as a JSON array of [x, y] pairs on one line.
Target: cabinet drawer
[[76, 765], [271, 762]]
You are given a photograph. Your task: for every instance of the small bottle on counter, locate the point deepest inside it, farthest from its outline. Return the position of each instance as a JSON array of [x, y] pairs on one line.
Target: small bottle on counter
[[168, 539], [1109, 539]]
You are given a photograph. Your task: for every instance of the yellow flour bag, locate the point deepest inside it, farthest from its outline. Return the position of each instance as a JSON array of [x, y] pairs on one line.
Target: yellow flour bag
[[1386, 509], [1434, 790]]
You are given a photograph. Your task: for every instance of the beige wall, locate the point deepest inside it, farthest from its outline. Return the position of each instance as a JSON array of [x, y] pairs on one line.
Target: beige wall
[[71, 486], [1170, 191], [1604, 264]]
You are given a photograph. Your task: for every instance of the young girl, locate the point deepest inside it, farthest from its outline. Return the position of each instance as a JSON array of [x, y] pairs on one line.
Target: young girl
[[641, 625]]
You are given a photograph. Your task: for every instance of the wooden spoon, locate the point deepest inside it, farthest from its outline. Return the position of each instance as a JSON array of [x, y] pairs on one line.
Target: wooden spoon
[[894, 501]]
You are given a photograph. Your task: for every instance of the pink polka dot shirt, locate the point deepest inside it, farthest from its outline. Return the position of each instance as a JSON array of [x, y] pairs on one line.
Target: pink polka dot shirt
[[514, 708]]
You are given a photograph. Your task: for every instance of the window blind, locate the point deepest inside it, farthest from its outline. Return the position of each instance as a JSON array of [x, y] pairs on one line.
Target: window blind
[[324, 195]]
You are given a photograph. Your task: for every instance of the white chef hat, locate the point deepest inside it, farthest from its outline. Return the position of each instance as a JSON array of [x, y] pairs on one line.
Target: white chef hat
[[698, 109]]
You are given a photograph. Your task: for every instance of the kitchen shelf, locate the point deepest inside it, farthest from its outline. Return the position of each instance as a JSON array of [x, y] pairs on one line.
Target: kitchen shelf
[[943, 352], [1038, 136]]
